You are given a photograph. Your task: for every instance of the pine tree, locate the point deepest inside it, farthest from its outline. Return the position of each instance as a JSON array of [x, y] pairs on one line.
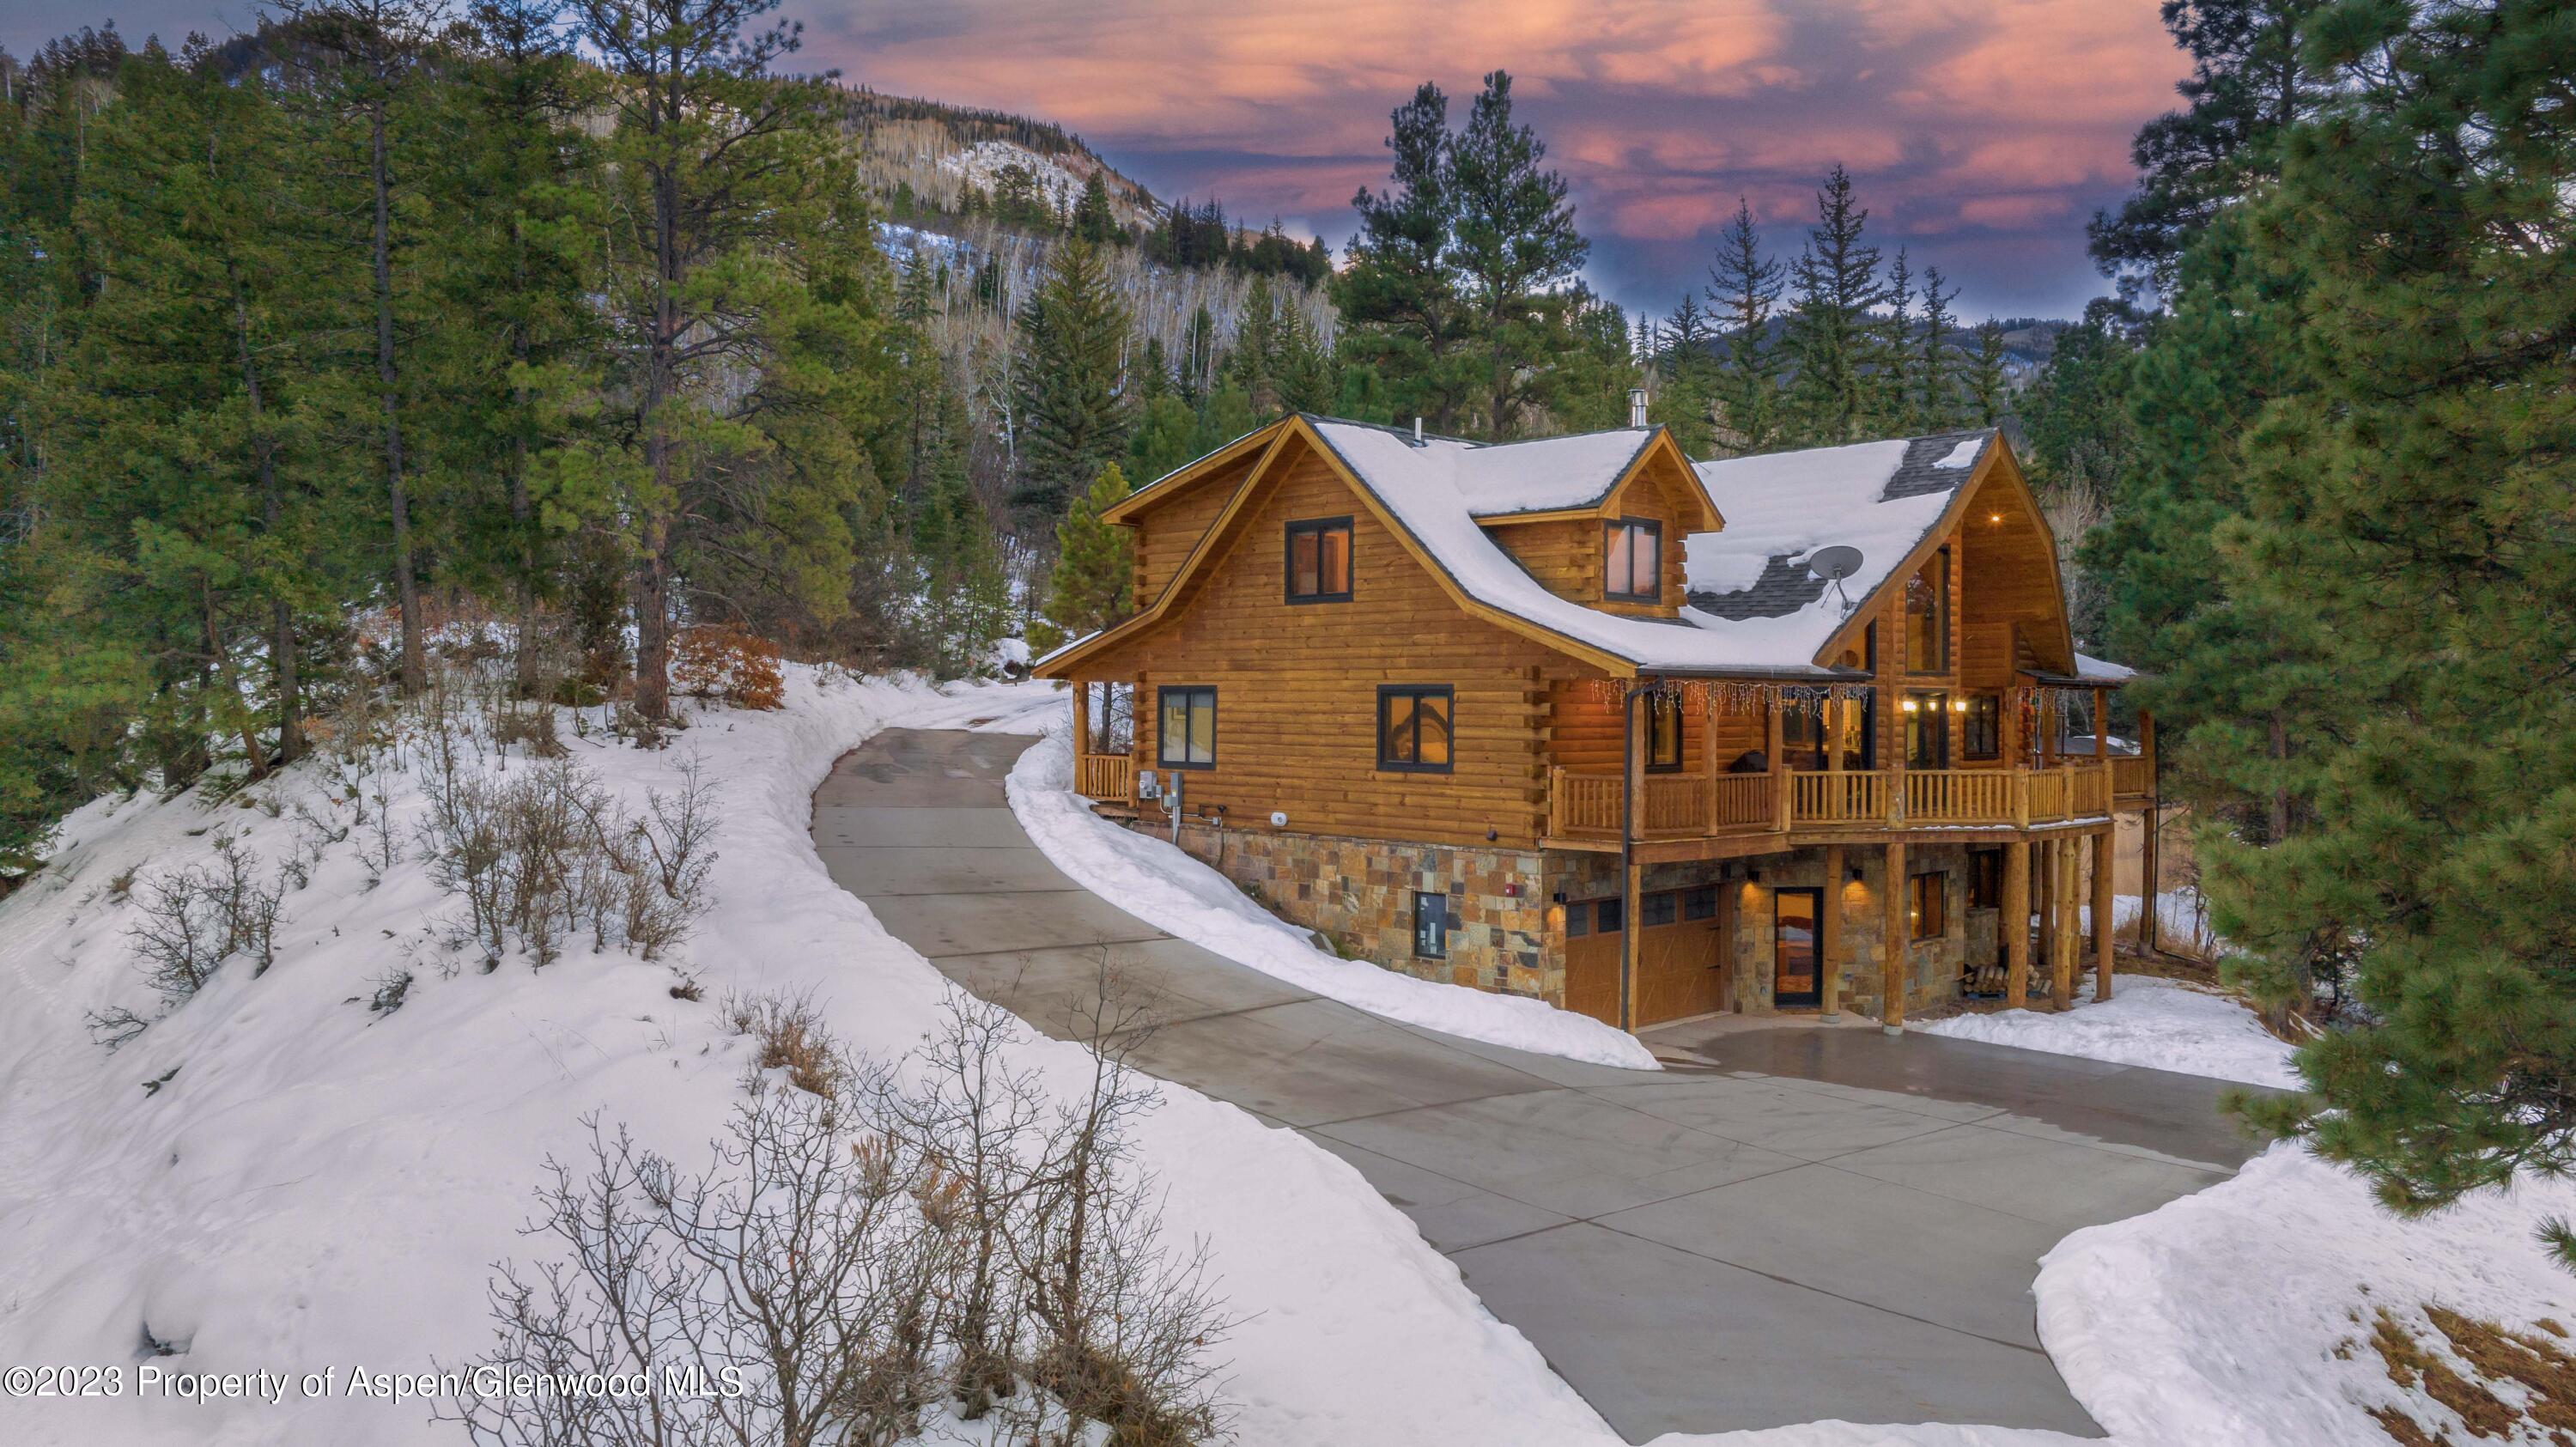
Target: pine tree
[[1936, 369], [1988, 382], [2404, 528], [1093, 221], [1835, 285], [1073, 415], [1515, 248], [1745, 283], [2245, 91], [1893, 380], [1403, 319], [1682, 403], [1093, 570]]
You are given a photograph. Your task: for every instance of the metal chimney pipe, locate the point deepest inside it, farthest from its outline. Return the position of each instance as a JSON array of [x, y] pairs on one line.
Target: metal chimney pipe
[[1417, 432], [1636, 406]]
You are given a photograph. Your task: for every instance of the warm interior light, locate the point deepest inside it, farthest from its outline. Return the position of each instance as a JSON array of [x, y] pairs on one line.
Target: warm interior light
[[1994, 517], [1910, 705], [1958, 705]]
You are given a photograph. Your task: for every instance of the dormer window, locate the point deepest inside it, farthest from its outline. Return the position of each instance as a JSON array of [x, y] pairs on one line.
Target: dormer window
[[1635, 573], [1319, 561]]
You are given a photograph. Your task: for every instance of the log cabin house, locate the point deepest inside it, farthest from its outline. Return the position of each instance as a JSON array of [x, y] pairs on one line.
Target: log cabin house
[[1580, 719]]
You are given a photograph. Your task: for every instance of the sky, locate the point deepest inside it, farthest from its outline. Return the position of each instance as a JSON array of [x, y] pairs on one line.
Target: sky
[[1981, 134]]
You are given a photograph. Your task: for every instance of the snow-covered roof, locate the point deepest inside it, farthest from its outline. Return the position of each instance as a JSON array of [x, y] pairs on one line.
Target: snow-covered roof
[[2098, 670], [1437, 490], [1751, 583]]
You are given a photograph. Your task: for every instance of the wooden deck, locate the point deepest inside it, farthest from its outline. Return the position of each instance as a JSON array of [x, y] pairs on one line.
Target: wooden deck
[[1583, 804]]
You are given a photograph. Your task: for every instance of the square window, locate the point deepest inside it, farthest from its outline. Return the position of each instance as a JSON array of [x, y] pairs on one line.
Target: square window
[[1413, 728], [1700, 903], [1319, 561], [1430, 925], [1609, 916], [1658, 909], [1187, 736], [1578, 919], [1634, 567]]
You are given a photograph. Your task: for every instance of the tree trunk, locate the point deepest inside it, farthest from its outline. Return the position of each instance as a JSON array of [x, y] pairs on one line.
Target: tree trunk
[[281, 641], [414, 666], [652, 563]]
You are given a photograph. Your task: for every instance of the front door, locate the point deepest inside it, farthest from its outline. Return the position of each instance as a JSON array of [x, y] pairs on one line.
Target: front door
[[1795, 979]]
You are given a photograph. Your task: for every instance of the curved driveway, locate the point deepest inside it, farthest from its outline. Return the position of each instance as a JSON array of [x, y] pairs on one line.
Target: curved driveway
[[1787, 1224]]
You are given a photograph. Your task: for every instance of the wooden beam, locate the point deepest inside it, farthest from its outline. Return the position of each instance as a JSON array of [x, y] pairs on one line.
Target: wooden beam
[[1081, 723], [2016, 925], [1829, 937], [2061, 952], [2101, 724], [2043, 879], [1891, 1013], [1631, 950], [2102, 852]]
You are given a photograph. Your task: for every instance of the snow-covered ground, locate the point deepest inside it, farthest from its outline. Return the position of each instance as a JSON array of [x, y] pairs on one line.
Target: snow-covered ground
[[322, 1187], [2166, 1024], [1153, 880]]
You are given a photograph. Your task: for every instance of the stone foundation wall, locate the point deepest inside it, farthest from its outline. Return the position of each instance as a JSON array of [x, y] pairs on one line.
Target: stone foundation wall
[[1932, 966], [1359, 892]]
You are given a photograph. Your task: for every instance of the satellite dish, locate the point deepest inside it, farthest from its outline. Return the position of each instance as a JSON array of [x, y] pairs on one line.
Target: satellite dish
[[1833, 565]]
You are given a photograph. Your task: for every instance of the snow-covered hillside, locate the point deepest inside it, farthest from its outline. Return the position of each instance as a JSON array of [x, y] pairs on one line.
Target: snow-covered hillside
[[278, 1178]]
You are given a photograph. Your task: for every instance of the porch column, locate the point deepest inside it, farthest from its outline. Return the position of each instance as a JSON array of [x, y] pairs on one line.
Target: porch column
[[1708, 751], [2016, 925], [2101, 724], [2148, 913], [1631, 952], [1081, 727], [1891, 1013], [2043, 870], [2102, 856], [1829, 937], [1771, 735], [2061, 951]]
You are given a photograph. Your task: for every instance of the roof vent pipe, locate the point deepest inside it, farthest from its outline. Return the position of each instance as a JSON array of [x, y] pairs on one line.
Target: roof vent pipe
[[1636, 406], [1417, 432]]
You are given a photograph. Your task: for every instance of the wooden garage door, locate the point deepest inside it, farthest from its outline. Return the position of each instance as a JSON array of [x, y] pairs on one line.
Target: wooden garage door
[[1681, 969]]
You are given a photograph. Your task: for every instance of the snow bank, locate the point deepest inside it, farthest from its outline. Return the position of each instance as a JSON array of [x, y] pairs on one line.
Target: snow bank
[[2243, 1314], [319, 1187], [1169, 890], [2150, 1021]]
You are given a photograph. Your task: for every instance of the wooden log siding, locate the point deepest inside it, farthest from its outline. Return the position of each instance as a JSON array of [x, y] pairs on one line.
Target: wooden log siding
[[1297, 686]]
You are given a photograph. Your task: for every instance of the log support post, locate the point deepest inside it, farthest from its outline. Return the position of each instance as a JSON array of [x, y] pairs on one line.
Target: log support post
[[1829, 937], [1892, 955], [1772, 733], [2061, 949], [2016, 925], [2102, 860], [1081, 726]]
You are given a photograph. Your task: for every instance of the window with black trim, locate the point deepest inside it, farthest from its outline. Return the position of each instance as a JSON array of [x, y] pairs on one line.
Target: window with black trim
[[1657, 910], [1804, 740], [1663, 731], [1413, 728], [1609, 916], [1985, 879], [1981, 727], [1186, 736], [1635, 572], [1927, 906], [1578, 919], [1927, 616], [1430, 925], [1700, 903], [1319, 561]]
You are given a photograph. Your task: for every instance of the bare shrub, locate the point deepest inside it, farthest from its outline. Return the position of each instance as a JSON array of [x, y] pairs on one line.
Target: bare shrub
[[194, 919], [542, 852], [860, 1250]]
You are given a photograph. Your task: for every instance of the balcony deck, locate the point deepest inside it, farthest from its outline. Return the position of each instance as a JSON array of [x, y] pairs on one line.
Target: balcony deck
[[1773, 809]]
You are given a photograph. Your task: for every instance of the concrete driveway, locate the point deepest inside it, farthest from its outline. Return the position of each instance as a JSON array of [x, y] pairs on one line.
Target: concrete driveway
[[1791, 1222]]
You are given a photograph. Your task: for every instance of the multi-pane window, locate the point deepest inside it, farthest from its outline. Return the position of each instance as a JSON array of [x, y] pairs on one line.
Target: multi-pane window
[[1609, 916], [1187, 736], [1656, 910], [1430, 925], [1700, 903], [1927, 731], [1808, 737], [1927, 616], [1635, 573], [1578, 919], [1981, 727], [1413, 728], [1319, 561], [1663, 731], [1927, 906]]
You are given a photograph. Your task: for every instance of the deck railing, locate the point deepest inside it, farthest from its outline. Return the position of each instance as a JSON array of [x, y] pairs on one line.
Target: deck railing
[[2132, 776], [1584, 803], [1106, 778]]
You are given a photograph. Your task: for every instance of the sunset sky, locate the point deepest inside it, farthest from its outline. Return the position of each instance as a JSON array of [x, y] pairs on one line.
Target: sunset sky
[[1981, 133]]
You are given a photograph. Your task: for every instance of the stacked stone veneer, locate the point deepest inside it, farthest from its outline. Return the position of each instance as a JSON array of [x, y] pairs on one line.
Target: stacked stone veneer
[[1360, 893], [1503, 937]]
